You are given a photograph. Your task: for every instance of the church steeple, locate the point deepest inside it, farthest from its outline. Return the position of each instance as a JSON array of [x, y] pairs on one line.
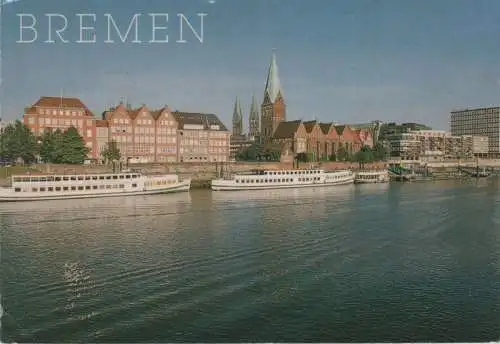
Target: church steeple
[[273, 109], [254, 122], [237, 118], [273, 85]]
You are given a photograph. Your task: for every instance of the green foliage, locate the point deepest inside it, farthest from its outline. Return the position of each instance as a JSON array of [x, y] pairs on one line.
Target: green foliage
[[302, 157], [271, 155], [380, 152], [59, 147], [51, 147], [248, 154], [342, 154], [111, 152], [74, 149], [364, 155], [18, 142]]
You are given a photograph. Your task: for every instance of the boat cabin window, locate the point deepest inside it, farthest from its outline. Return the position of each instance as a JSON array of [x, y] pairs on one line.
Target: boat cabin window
[[101, 177], [94, 177], [50, 188], [17, 189], [65, 178], [57, 179], [42, 189]]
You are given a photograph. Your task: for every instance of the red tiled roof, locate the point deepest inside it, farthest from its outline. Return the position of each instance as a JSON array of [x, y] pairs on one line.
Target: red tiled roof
[[59, 102], [286, 130], [309, 125]]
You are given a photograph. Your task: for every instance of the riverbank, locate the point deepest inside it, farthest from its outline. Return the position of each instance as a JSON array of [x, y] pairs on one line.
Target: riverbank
[[201, 174]]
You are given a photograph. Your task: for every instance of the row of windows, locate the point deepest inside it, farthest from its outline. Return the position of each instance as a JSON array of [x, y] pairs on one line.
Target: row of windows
[[285, 180], [60, 112], [160, 182], [75, 188], [68, 178]]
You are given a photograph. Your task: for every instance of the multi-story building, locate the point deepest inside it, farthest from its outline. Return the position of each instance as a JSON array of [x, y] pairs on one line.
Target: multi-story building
[[478, 122], [432, 143], [120, 125], [406, 146], [142, 135], [102, 138], [273, 108], [167, 135], [202, 138], [480, 145], [61, 113], [238, 144]]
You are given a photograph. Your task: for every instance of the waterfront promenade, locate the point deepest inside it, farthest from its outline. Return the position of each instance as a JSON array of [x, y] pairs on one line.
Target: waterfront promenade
[[414, 262]]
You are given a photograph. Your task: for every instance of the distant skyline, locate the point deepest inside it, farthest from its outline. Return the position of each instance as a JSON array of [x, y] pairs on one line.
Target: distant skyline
[[348, 61]]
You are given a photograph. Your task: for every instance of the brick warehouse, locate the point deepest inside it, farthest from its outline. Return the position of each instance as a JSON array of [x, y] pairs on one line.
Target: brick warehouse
[[142, 134]]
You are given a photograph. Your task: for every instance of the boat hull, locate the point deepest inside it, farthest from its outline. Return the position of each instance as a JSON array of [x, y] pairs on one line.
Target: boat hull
[[9, 196], [370, 181], [218, 185]]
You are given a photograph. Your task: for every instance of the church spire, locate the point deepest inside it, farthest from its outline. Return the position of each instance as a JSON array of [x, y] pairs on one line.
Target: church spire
[[254, 125], [273, 84], [237, 118]]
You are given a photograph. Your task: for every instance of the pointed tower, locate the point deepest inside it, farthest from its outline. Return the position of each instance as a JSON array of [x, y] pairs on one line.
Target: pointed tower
[[273, 108], [237, 119], [253, 120]]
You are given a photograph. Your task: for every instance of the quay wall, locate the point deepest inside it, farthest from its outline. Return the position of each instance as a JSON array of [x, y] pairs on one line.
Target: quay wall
[[200, 173]]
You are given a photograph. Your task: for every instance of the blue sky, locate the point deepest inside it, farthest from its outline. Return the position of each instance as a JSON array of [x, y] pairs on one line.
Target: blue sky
[[346, 61]]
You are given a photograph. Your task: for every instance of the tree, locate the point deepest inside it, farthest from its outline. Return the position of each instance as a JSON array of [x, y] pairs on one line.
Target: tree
[[248, 153], [51, 147], [111, 152], [379, 152], [364, 155], [73, 147], [302, 157], [18, 142], [342, 154]]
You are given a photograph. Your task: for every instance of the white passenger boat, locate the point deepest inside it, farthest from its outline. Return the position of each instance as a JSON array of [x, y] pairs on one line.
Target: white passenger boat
[[49, 187], [371, 177], [282, 179]]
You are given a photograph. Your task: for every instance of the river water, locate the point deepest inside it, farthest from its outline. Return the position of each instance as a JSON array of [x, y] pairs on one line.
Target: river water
[[399, 262]]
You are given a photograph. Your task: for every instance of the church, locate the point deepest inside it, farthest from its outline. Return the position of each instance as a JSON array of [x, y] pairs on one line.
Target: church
[[320, 141]]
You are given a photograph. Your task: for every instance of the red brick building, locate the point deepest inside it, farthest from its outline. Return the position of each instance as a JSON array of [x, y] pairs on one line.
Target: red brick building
[[142, 135], [273, 108], [62, 113]]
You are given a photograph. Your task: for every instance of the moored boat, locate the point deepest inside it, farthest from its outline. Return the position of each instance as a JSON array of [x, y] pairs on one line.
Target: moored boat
[[53, 187], [371, 177], [282, 179]]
